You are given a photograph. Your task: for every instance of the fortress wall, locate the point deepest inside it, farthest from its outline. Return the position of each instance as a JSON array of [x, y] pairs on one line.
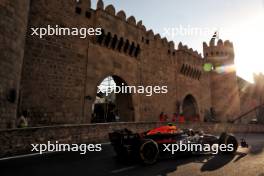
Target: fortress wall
[[224, 87], [192, 79], [13, 22], [54, 70], [61, 73], [249, 99], [155, 65], [157, 69], [225, 96]]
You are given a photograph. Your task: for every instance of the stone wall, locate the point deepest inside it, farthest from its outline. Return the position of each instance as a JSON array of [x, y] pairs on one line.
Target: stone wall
[[13, 23], [19, 141], [223, 79], [59, 73], [192, 80]]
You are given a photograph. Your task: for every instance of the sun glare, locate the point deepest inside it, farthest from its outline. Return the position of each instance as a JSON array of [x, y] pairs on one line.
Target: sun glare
[[248, 44]]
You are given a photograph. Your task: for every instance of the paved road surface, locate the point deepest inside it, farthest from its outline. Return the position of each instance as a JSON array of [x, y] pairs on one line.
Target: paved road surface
[[247, 162]]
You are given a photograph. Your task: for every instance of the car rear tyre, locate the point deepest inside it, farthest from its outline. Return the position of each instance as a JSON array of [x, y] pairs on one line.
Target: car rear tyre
[[149, 151]]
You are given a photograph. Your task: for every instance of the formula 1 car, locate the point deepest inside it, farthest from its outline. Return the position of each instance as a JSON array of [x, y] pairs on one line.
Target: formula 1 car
[[149, 146]]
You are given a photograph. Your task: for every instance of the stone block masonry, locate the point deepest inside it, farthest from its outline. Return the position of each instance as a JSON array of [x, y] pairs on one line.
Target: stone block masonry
[[13, 26], [55, 78]]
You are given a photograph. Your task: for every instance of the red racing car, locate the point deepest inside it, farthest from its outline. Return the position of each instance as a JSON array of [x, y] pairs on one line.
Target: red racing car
[[167, 141]]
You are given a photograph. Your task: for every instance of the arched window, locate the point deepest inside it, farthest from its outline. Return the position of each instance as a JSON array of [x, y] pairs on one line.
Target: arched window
[[132, 47], [126, 46], [78, 10], [182, 68], [200, 74], [101, 37], [114, 41], [188, 70], [185, 69], [137, 51], [120, 44], [108, 39]]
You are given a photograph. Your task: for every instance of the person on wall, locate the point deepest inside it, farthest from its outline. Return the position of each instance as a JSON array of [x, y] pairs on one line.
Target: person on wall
[[166, 117], [22, 120], [162, 117], [174, 117], [117, 118], [181, 118]]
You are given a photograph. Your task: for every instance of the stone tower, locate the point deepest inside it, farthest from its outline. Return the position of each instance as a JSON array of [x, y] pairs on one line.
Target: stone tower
[[223, 80], [13, 25]]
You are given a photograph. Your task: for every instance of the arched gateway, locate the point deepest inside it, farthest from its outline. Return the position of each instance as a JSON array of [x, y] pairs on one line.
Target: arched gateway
[[110, 106], [190, 108]]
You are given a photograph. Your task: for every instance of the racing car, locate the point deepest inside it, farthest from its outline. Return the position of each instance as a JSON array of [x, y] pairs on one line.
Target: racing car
[[149, 146]]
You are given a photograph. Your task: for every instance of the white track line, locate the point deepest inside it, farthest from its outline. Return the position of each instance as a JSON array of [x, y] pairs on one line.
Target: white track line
[[24, 156], [123, 169]]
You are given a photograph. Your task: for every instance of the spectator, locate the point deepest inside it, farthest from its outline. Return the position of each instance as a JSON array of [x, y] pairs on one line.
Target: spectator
[[181, 118], [117, 118], [162, 117], [174, 117], [166, 117], [22, 120]]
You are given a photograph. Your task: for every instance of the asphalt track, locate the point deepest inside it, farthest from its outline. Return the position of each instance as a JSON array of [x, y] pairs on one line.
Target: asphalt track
[[246, 162]]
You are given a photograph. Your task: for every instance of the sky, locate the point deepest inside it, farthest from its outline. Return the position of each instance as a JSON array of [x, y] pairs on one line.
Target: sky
[[194, 21]]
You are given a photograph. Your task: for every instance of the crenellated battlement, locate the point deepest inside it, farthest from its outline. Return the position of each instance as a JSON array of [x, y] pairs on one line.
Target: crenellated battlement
[[186, 49], [160, 41], [85, 4], [110, 9], [218, 48], [219, 43], [148, 35]]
